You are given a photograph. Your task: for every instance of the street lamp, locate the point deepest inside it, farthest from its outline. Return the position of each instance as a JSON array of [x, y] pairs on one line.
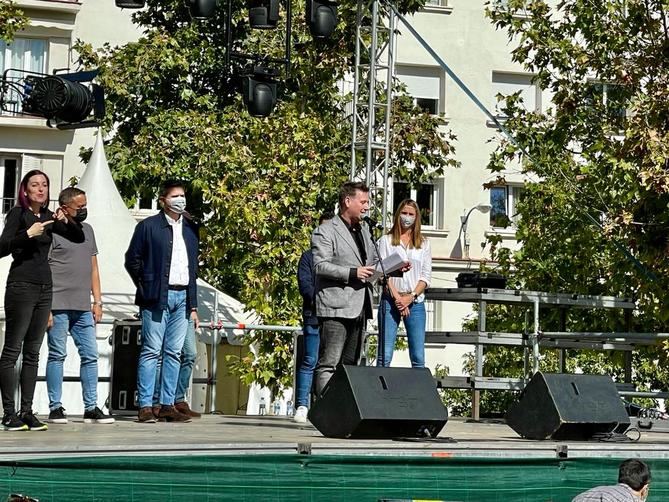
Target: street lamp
[[483, 207]]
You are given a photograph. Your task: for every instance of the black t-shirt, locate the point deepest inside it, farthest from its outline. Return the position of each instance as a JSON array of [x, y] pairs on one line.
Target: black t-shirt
[[31, 256]]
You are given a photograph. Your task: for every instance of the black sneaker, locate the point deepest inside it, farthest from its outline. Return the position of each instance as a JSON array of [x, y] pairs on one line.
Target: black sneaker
[[12, 422], [58, 416], [96, 416], [31, 421]]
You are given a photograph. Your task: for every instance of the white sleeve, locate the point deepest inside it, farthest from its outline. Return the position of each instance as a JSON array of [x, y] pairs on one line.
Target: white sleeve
[[426, 264]]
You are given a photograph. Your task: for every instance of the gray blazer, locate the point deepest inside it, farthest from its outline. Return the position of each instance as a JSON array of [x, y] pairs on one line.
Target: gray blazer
[[335, 254]]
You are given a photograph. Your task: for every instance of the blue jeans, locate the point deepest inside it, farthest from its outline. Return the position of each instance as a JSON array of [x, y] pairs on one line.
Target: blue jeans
[[188, 356], [163, 334], [305, 372], [415, 327], [81, 325]]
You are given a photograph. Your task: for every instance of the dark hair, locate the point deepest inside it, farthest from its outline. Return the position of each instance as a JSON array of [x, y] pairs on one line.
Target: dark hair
[[169, 185], [69, 193], [327, 215], [634, 473], [23, 187], [349, 189]]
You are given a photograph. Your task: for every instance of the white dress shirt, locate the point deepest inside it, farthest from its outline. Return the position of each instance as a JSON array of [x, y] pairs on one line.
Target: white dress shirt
[[421, 265], [179, 263]]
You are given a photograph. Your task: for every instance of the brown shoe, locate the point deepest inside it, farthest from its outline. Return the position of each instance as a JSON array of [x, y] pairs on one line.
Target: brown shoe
[[156, 410], [170, 414], [184, 409], [146, 416]]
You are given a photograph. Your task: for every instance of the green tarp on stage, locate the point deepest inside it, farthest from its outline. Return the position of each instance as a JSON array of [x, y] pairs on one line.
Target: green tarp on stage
[[275, 477]]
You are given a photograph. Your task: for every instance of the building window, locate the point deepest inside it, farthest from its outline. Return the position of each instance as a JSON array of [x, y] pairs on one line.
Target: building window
[[426, 196], [436, 3], [507, 84], [23, 55], [9, 181], [423, 84], [613, 97], [503, 199]]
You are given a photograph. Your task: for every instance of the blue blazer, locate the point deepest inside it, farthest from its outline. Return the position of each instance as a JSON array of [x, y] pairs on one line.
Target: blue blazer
[[148, 259]]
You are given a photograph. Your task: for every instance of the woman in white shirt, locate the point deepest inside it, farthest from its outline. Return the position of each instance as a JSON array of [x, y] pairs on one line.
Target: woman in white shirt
[[403, 299]]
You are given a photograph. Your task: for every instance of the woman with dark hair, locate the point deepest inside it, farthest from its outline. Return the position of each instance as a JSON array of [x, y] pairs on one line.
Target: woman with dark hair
[[27, 237], [403, 298]]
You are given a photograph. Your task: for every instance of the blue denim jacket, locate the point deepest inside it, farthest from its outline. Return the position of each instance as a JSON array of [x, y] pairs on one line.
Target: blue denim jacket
[[148, 259]]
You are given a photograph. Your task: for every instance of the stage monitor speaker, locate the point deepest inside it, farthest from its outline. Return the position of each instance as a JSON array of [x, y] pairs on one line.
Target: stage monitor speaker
[[365, 402], [568, 407]]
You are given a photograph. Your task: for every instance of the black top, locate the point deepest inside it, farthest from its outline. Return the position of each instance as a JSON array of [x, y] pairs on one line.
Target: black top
[[31, 255]]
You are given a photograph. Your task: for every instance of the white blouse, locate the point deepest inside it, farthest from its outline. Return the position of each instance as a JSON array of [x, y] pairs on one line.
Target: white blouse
[[421, 264]]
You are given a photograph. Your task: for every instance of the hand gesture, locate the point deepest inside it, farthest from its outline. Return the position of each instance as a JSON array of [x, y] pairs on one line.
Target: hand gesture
[[97, 312], [364, 272], [38, 228], [61, 215]]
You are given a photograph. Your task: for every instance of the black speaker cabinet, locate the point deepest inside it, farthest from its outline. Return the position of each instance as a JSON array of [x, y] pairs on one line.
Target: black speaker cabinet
[[126, 343], [365, 402], [568, 407]]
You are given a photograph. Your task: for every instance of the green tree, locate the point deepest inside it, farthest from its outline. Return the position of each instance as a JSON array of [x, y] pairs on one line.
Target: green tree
[[596, 221], [258, 184], [12, 19]]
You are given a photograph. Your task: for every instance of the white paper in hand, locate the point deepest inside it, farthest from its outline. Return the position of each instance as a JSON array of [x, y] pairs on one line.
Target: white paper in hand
[[391, 264]]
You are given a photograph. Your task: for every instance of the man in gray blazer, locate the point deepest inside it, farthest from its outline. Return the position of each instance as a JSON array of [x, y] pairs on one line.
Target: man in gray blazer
[[344, 257]]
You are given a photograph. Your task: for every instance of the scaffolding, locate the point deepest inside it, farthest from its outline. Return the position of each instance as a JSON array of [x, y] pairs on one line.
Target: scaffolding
[[372, 101]]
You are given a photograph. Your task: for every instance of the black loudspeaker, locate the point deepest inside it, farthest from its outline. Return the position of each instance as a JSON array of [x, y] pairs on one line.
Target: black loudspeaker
[[568, 407], [365, 402], [126, 343]]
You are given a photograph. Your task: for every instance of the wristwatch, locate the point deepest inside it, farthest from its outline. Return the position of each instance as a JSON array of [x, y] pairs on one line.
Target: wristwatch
[[414, 295], [97, 303]]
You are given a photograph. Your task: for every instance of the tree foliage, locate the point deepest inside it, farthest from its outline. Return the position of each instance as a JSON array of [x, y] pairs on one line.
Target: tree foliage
[[258, 184], [12, 20], [595, 218]]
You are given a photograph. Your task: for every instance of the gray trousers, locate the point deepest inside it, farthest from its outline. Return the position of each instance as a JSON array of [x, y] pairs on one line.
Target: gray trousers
[[341, 342]]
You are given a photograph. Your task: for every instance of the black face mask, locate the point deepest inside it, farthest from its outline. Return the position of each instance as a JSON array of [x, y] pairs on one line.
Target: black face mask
[[81, 215]]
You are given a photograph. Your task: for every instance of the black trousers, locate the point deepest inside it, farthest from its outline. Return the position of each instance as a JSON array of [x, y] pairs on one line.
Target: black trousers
[[341, 342], [27, 308]]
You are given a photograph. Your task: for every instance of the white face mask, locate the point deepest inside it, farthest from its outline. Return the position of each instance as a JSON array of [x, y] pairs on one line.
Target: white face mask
[[177, 204], [406, 221]]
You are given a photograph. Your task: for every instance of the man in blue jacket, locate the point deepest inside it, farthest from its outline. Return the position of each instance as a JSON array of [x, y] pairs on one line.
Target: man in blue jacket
[[162, 261], [306, 281]]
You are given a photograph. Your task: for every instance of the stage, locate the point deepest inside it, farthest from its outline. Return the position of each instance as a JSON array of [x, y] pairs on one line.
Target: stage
[[271, 458]]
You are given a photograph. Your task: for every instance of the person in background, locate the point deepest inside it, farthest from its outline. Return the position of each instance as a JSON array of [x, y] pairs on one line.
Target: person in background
[[403, 298], [76, 276], [306, 281], [162, 260], [633, 485], [27, 237]]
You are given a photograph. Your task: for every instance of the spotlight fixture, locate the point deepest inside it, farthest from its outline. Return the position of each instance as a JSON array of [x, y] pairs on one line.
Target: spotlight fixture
[[202, 9], [259, 91], [263, 14], [321, 18], [130, 4], [57, 98]]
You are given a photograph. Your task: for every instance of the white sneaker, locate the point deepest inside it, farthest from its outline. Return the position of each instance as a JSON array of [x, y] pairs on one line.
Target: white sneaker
[[300, 416]]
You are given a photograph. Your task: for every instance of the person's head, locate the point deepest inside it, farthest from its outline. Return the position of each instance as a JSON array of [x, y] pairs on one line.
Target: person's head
[[407, 219], [34, 189], [173, 196], [635, 474], [326, 216], [353, 200], [73, 201]]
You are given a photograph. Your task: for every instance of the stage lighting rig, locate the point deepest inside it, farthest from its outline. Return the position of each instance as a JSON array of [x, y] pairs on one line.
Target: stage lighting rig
[[66, 100], [202, 9], [321, 18], [259, 91]]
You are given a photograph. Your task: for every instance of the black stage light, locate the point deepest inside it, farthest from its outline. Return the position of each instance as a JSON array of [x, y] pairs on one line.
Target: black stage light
[[263, 14], [259, 91], [54, 97], [321, 18], [202, 9], [130, 4]]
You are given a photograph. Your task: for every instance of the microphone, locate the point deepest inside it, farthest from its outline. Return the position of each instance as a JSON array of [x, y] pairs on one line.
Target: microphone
[[372, 222]]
